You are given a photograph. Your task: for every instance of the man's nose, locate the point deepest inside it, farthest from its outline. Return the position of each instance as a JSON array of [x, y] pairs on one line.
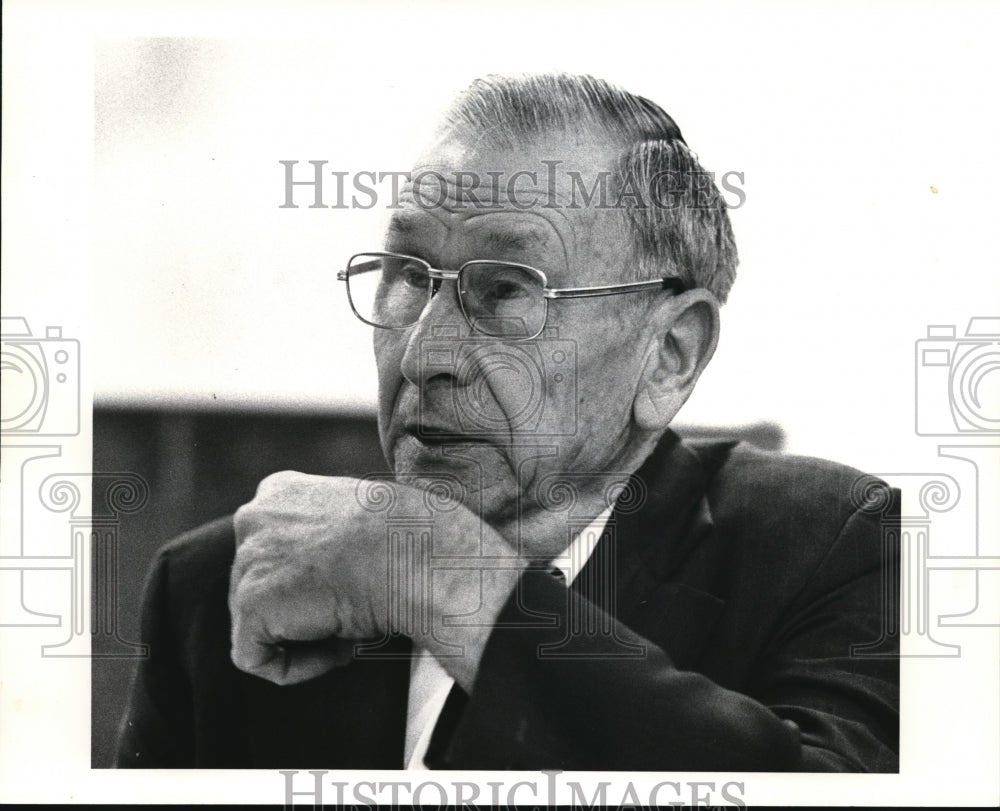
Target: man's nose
[[433, 337]]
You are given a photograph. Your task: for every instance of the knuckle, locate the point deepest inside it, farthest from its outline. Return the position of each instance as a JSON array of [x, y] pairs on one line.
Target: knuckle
[[276, 482], [250, 594]]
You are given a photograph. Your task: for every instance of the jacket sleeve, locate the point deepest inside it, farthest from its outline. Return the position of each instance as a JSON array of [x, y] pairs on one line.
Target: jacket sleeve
[[185, 706], [803, 702], [832, 663], [156, 731]]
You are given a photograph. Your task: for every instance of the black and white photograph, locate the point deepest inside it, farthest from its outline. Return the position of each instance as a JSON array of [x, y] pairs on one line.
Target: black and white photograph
[[552, 404]]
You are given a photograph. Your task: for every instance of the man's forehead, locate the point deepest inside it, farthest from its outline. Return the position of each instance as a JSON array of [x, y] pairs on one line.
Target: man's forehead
[[581, 150], [534, 204], [458, 182], [501, 234]]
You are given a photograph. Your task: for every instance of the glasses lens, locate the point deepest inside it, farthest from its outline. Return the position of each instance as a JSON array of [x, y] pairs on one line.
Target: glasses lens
[[503, 300], [388, 290]]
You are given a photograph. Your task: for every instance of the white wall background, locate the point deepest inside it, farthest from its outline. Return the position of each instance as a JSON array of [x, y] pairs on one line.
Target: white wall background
[[842, 121]]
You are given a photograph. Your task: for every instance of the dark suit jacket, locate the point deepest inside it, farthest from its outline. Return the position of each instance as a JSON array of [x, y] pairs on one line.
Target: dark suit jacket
[[742, 581]]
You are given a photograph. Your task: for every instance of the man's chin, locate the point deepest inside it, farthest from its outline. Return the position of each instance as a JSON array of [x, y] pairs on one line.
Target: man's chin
[[474, 469]]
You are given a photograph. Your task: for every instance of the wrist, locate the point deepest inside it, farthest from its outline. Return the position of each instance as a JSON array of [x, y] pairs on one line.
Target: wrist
[[461, 609]]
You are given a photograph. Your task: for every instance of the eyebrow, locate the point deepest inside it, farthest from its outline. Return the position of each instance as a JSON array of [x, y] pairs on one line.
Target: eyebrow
[[512, 241], [402, 225]]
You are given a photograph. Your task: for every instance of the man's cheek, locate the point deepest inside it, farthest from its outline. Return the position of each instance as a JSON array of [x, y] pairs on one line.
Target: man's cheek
[[390, 377]]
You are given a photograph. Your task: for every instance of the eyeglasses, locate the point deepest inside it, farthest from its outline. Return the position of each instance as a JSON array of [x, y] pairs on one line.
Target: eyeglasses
[[500, 299]]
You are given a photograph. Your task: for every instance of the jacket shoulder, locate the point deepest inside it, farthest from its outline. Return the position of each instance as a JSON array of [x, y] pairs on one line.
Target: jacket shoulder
[[214, 542], [783, 522], [775, 492], [193, 568]]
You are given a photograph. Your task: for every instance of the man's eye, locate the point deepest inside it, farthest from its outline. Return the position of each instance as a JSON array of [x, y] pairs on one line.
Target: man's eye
[[406, 274], [505, 289], [414, 276]]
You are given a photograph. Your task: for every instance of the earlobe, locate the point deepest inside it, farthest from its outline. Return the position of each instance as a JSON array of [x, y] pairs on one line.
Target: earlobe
[[654, 408], [685, 331]]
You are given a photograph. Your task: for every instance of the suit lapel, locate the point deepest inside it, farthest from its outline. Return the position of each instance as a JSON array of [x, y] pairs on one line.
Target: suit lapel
[[657, 522]]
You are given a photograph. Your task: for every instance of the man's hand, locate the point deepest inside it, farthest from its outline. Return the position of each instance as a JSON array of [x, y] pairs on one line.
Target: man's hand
[[314, 571]]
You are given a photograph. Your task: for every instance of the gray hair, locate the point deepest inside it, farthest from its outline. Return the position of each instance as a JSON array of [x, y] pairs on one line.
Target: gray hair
[[689, 233]]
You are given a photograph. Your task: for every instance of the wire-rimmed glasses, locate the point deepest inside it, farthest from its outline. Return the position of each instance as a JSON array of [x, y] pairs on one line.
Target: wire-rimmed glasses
[[499, 299]]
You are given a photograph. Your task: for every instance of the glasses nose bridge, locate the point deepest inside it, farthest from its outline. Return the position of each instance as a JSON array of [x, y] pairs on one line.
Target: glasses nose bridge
[[436, 327], [438, 277]]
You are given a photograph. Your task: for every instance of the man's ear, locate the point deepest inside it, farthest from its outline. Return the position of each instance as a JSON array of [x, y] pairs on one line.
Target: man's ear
[[685, 331]]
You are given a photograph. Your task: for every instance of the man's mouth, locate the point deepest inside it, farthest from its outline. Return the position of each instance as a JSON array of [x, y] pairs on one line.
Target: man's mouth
[[443, 435]]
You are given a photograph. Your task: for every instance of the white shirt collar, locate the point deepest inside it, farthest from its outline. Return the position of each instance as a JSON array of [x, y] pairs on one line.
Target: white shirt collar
[[575, 556]]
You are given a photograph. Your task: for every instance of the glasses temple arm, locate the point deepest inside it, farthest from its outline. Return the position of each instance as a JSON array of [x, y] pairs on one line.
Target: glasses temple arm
[[667, 283]]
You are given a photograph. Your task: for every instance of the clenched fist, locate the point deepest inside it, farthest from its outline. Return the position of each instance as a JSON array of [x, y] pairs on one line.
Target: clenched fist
[[325, 562]]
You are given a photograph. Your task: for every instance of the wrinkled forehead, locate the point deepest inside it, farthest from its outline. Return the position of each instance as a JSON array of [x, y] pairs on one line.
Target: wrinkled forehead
[[517, 202], [551, 169], [498, 233]]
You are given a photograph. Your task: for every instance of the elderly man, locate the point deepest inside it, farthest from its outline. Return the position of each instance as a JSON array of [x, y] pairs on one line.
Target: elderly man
[[551, 578]]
